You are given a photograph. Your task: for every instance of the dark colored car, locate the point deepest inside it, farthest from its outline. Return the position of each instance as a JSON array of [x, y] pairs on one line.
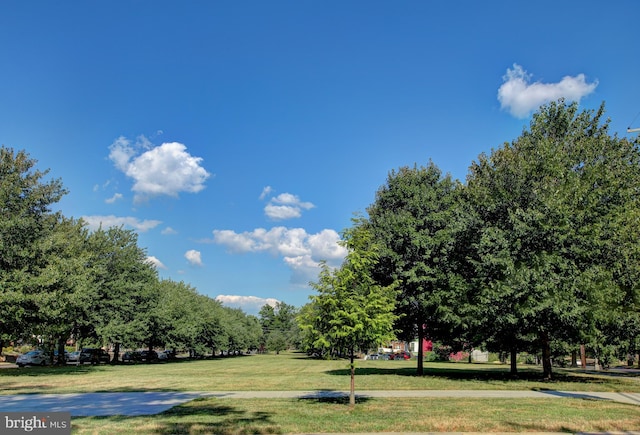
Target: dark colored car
[[93, 356], [131, 356], [148, 355]]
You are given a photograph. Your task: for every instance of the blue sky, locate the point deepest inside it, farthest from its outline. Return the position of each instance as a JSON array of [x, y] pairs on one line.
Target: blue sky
[[239, 138]]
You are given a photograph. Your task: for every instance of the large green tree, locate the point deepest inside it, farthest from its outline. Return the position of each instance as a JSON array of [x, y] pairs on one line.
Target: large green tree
[[279, 326], [419, 224], [557, 248], [63, 290], [26, 218], [179, 315], [351, 311], [126, 290]]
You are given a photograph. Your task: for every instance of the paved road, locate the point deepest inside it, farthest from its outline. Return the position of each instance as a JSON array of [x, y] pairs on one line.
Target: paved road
[[149, 403]]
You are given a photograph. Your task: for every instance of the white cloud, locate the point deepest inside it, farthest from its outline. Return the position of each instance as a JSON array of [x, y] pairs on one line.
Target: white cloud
[[520, 97], [284, 206], [249, 304], [155, 262], [164, 170], [193, 257], [168, 232], [94, 222], [282, 212], [300, 251], [265, 192], [114, 198]]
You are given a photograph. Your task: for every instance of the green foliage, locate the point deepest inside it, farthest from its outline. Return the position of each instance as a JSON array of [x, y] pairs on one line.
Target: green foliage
[[351, 311], [420, 225], [557, 222], [279, 321], [276, 342], [62, 286], [125, 288], [26, 220], [58, 280]]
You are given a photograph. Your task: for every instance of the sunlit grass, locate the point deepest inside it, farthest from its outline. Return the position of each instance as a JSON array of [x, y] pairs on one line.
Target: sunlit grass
[[288, 416], [299, 373]]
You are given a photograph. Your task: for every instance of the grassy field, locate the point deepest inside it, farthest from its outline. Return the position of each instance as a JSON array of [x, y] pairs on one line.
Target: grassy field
[[253, 416], [297, 372]]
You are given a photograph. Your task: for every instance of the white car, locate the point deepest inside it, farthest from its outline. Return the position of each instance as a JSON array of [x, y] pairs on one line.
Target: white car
[[73, 357], [34, 358]]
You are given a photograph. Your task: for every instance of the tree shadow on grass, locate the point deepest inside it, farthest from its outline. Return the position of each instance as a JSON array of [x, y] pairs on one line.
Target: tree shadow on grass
[[200, 416], [332, 397], [483, 374], [48, 371]]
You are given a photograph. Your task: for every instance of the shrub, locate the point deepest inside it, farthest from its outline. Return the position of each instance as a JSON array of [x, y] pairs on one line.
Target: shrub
[[459, 356], [430, 356], [442, 352]]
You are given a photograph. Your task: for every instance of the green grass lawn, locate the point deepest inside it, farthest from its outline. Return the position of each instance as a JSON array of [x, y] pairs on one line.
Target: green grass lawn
[[262, 416], [297, 372]]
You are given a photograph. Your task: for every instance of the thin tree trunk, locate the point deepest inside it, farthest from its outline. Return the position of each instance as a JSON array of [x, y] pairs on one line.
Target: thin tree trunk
[[546, 357], [514, 362], [61, 356], [116, 353], [583, 357], [420, 371], [352, 392]]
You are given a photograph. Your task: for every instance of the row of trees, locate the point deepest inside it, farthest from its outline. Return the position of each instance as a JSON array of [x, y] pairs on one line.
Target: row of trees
[[59, 281], [538, 251]]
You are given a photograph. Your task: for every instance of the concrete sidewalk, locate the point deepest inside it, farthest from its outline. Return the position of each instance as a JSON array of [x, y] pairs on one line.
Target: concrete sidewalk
[[630, 398], [149, 403]]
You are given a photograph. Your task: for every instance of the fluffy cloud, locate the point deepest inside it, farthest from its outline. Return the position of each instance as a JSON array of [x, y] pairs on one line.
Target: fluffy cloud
[[94, 222], [249, 304], [155, 262], [300, 251], [520, 97], [164, 170], [193, 257], [284, 206]]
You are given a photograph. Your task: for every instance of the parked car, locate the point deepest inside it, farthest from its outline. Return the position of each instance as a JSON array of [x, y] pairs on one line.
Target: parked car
[[131, 356], [56, 356], [94, 356], [166, 355], [73, 357], [400, 355], [148, 355], [33, 358]]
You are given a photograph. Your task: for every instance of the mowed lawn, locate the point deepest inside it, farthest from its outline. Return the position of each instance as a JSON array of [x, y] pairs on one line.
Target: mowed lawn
[[292, 371], [297, 372]]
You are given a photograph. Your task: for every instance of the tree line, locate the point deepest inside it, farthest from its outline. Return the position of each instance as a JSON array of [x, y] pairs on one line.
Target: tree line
[[537, 251], [60, 281]]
